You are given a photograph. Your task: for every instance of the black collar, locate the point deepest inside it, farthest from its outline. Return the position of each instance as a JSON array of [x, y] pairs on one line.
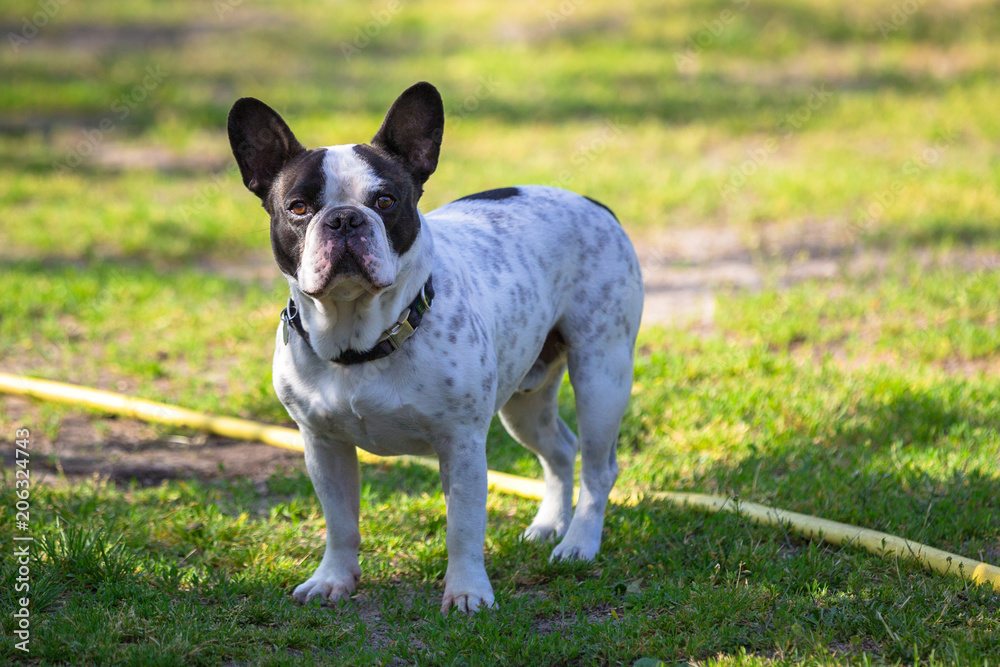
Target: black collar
[[391, 339]]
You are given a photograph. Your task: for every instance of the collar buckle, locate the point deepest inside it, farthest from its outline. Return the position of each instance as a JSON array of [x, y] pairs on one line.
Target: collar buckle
[[399, 332]]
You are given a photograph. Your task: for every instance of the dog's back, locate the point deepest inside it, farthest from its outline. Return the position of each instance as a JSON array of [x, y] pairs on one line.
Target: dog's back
[[540, 261]]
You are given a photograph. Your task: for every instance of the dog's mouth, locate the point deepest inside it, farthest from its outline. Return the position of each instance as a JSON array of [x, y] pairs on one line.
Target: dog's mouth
[[344, 272]]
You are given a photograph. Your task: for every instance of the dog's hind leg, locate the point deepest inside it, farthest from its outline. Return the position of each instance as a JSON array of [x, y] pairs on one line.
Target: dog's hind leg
[[602, 382], [532, 418]]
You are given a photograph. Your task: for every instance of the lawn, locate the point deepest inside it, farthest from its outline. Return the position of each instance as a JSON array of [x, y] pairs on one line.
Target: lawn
[[844, 151]]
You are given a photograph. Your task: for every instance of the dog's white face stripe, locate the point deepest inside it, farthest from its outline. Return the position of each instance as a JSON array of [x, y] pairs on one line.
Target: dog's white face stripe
[[349, 179]]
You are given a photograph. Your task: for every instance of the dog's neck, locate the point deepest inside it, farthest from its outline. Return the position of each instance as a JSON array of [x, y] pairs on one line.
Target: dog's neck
[[335, 326]]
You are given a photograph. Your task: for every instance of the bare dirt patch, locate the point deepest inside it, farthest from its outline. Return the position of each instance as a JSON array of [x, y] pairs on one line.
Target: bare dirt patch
[[865, 646], [125, 449], [116, 156], [684, 269]]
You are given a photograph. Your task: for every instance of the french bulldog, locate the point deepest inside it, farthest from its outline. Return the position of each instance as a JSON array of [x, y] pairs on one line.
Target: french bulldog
[[407, 331]]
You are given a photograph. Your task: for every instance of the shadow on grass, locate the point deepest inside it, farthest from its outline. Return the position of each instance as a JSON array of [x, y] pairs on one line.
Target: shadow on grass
[[112, 269], [615, 89], [902, 460], [937, 231], [611, 94], [837, 23]]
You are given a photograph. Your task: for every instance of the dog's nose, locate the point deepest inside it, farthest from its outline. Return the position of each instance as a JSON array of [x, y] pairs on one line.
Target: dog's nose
[[343, 218]]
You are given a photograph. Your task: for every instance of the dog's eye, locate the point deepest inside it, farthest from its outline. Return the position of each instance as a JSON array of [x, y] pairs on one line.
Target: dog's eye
[[298, 208], [385, 202]]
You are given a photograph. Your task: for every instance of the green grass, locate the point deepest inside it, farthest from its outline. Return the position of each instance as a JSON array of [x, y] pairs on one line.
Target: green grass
[[869, 398]]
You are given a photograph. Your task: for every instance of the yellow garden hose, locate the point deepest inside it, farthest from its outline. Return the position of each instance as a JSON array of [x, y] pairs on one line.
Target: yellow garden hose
[[836, 533]]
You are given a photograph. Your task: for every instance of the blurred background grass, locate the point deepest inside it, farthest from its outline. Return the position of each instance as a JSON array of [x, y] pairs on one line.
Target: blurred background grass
[[654, 107]]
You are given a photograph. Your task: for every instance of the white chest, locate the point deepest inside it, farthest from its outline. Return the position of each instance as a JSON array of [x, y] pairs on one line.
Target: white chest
[[372, 415]]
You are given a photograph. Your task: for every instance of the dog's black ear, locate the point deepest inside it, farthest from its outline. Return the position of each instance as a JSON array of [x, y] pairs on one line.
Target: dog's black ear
[[262, 143], [413, 128]]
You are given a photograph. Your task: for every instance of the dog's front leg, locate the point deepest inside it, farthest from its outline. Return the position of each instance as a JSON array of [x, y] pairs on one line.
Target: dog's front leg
[[463, 476], [333, 468]]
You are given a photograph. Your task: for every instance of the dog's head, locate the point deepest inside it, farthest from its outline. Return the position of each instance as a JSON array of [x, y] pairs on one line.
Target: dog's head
[[342, 217]]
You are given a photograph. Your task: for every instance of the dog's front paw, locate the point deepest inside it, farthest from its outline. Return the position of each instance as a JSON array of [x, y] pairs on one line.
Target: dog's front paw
[[543, 530], [572, 552], [328, 587], [582, 541], [575, 550], [535, 533], [467, 594]]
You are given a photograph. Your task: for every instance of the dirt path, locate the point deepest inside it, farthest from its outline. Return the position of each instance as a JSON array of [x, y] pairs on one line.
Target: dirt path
[[126, 449], [684, 269]]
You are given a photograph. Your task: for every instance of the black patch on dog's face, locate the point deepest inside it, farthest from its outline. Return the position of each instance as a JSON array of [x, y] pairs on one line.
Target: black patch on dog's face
[[492, 195], [303, 179], [402, 221]]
